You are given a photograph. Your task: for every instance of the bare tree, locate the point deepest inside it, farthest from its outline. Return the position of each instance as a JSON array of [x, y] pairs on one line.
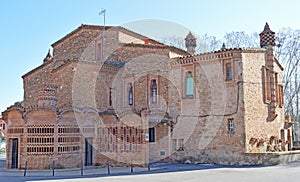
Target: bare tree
[[207, 43], [241, 39], [175, 41], [288, 54]]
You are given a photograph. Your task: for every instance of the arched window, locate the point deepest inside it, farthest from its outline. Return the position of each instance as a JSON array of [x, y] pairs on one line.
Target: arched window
[[228, 71], [110, 97], [189, 84], [130, 94], [153, 91]]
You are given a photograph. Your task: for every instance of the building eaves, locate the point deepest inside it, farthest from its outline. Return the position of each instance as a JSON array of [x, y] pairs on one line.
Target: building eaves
[[163, 46], [37, 68], [277, 62], [210, 53]]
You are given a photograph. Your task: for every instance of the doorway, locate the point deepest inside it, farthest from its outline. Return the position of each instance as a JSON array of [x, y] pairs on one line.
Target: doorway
[[289, 138], [14, 157], [88, 151]]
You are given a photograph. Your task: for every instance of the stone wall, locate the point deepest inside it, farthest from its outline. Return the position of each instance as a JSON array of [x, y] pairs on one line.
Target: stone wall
[[203, 120], [273, 158], [256, 111], [72, 46]]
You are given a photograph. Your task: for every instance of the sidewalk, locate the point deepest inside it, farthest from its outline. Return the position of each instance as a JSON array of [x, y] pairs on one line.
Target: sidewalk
[[87, 171], [2, 161]]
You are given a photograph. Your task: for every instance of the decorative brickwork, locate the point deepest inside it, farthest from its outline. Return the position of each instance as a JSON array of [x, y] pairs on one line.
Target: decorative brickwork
[[267, 37]]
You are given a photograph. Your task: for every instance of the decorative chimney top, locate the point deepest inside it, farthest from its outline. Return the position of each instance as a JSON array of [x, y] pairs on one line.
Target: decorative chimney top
[[190, 43], [267, 37], [48, 56], [223, 47]]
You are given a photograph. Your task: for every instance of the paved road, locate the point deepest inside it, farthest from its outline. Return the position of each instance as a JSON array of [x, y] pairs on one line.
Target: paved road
[[180, 172]]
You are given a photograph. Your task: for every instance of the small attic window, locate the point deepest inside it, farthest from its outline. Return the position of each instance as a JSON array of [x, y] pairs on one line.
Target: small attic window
[[99, 51]]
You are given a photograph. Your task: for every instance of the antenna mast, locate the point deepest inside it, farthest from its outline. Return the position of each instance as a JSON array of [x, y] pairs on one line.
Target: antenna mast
[[102, 12]]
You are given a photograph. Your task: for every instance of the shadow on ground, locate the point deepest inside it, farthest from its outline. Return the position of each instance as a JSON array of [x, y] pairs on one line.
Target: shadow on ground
[[91, 172]]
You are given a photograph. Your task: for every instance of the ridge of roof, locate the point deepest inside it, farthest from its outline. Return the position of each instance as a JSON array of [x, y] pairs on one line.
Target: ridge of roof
[[277, 62], [37, 68], [100, 27], [82, 26]]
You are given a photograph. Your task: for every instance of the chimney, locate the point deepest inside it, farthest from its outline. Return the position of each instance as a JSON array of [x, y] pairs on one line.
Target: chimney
[[190, 43], [267, 37], [48, 56], [267, 40]]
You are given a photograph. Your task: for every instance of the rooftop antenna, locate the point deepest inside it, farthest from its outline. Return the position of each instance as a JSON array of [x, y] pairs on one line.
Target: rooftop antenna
[[102, 12]]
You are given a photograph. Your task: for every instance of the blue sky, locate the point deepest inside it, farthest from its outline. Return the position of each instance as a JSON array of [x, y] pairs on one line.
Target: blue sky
[[28, 28]]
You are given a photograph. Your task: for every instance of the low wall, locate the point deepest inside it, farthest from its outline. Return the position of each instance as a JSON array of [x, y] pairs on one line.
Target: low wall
[[271, 158], [245, 159]]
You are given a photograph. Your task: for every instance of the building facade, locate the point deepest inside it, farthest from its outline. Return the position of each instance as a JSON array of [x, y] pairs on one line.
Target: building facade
[[3, 128], [115, 95]]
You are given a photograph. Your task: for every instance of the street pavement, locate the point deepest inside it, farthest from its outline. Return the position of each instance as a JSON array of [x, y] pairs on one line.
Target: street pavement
[[161, 172]]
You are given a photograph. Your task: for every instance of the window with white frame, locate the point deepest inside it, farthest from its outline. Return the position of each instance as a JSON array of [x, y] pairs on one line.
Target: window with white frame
[[181, 144], [231, 125], [174, 144], [130, 94]]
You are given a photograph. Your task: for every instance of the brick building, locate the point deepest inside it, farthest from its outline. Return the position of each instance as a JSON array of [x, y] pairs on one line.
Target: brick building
[[116, 95], [3, 128]]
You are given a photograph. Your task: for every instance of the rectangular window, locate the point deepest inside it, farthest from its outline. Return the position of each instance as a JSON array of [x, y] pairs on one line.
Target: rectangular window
[[276, 87], [99, 51], [174, 144], [228, 68], [231, 126], [162, 153], [181, 144], [266, 84], [280, 93], [151, 134], [153, 91], [130, 94], [189, 85], [110, 97]]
